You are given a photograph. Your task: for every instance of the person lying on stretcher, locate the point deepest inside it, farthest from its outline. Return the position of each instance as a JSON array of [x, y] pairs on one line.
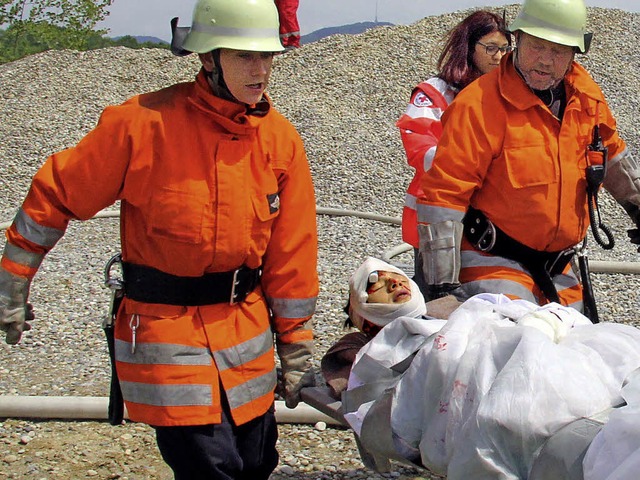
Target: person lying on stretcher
[[378, 293]]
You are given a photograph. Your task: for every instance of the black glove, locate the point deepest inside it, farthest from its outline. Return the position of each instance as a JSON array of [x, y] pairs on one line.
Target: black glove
[[634, 236]]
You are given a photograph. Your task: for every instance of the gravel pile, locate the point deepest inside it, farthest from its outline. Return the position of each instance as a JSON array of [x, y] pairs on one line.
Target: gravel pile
[[344, 94]]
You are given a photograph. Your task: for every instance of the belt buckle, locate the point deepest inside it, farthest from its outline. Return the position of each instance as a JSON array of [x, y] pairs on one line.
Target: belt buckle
[[234, 284], [487, 240]]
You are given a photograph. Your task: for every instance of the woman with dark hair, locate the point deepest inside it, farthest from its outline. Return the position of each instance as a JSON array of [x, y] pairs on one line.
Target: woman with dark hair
[[472, 48]]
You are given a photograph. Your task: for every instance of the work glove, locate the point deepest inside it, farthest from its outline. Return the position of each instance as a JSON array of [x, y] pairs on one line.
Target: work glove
[[441, 258], [14, 309], [297, 371]]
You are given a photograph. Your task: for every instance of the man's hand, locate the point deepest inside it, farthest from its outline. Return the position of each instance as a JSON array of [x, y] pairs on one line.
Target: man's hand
[[14, 309], [297, 371]]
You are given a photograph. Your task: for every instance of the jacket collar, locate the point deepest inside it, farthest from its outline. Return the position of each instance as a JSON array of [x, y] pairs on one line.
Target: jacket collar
[[237, 118]]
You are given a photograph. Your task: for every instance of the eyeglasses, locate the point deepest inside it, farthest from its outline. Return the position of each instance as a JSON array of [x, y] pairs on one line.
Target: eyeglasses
[[493, 49]]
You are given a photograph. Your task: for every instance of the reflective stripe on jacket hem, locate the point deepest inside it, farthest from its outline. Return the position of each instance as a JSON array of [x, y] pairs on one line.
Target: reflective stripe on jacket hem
[[162, 353], [252, 389], [244, 352], [167, 395]]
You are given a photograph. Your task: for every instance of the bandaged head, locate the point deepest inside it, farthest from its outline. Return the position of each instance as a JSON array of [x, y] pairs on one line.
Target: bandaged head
[[380, 313]]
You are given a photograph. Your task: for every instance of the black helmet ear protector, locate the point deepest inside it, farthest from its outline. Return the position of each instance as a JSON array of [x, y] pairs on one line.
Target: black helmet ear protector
[[178, 36], [587, 41]]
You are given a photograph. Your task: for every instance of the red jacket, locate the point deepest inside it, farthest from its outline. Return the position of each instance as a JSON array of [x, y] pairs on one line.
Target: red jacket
[[420, 129]]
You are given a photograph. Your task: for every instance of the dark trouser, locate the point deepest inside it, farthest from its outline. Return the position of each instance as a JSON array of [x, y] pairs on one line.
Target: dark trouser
[[221, 451]]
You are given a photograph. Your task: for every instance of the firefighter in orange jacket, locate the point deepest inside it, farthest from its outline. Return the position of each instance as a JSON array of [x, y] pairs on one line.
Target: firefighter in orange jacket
[[506, 198], [219, 246]]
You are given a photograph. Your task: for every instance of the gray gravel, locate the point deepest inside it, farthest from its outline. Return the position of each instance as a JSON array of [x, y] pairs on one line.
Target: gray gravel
[[344, 94]]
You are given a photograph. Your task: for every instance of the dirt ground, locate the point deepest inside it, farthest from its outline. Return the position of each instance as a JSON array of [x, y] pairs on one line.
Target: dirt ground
[[72, 450]]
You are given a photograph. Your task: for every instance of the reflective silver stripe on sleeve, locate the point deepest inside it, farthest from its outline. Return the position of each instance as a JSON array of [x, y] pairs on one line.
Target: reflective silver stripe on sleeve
[[252, 389], [430, 214], [22, 257], [427, 161], [167, 395], [235, 32], [424, 112], [292, 307], [244, 352], [38, 234], [161, 354]]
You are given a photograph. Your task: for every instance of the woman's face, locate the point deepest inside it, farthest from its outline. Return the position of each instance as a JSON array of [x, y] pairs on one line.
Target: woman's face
[[390, 287], [246, 73], [484, 61]]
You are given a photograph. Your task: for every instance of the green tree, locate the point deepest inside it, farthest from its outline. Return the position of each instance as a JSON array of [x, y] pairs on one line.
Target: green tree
[[43, 21]]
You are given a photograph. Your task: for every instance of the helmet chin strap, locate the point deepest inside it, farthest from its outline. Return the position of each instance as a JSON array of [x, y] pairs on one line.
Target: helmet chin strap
[[216, 79]]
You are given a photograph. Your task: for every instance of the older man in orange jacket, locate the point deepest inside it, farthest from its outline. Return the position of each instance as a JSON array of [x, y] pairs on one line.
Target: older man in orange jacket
[[506, 199], [219, 247]]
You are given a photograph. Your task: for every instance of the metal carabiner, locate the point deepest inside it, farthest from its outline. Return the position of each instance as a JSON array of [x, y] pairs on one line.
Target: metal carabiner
[[110, 281], [116, 285]]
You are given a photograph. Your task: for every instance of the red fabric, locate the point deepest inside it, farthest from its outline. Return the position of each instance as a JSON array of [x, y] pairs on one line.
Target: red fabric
[[420, 129], [289, 27]]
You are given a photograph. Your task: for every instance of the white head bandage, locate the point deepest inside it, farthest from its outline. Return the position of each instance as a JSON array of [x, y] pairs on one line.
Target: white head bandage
[[380, 313]]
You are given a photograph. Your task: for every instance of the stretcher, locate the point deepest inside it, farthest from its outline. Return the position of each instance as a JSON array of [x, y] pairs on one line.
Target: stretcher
[[560, 457]]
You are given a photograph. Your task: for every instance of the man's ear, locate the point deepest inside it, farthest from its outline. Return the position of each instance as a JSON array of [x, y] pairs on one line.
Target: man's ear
[[207, 61]]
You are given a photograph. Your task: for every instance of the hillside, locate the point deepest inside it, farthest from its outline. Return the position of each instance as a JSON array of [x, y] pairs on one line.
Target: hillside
[[352, 29]]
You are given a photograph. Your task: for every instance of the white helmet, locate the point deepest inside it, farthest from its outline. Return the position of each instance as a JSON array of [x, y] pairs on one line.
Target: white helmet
[[558, 21], [251, 25]]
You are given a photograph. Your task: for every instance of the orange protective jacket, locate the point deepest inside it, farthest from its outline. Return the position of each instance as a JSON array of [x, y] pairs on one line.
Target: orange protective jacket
[[196, 176], [503, 152]]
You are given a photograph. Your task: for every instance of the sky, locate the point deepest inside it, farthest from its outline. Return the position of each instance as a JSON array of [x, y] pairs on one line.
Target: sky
[[152, 17]]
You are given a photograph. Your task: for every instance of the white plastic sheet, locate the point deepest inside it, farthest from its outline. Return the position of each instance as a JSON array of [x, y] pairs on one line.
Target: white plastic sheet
[[484, 393], [614, 454]]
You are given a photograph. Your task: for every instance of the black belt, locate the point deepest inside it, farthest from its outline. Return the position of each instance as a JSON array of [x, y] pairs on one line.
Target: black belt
[[486, 237], [149, 285]]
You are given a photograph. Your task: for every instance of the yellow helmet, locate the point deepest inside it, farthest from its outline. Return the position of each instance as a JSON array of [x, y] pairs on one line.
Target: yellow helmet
[[558, 21], [250, 25]]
